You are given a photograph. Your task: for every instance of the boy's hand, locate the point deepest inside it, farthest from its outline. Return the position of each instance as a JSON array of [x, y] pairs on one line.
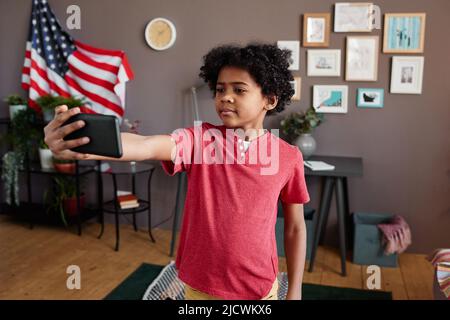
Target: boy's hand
[[54, 134]]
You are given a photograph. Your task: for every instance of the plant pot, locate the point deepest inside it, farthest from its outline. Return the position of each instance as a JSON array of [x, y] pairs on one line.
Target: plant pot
[[307, 144], [65, 167], [14, 109], [70, 205], [46, 158], [48, 115]]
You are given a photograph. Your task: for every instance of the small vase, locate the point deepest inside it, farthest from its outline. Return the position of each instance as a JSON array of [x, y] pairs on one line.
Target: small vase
[[70, 205], [65, 167], [46, 157], [14, 109], [48, 115], [307, 144]]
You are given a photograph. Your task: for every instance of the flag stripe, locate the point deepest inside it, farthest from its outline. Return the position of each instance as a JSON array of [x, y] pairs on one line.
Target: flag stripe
[[98, 51], [92, 87], [83, 75], [93, 96], [100, 65]]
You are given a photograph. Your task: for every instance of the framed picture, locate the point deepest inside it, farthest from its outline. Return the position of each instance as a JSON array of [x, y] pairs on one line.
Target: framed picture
[[297, 86], [362, 58], [316, 29], [407, 74], [404, 32], [324, 62], [353, 17], [370, 98], [294, 46], [330, 99]]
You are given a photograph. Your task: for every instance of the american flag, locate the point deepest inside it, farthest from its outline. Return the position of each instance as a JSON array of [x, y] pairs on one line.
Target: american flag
[[56, 64]]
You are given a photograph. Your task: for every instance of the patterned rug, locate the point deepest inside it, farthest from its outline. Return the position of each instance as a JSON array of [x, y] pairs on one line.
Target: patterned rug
[[151, 281], [168, 286]]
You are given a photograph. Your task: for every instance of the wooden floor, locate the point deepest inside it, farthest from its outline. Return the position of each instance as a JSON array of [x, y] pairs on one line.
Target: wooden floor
[[33, 263]]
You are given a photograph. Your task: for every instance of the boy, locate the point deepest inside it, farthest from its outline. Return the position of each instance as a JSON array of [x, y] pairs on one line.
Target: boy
[[236, 174]]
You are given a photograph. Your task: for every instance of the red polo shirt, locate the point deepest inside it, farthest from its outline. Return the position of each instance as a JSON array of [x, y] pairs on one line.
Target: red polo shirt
[[227, 244]]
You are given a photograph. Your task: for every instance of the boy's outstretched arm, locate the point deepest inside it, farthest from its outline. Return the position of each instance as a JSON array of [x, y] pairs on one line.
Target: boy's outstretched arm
[[135, 147], [295, 247]]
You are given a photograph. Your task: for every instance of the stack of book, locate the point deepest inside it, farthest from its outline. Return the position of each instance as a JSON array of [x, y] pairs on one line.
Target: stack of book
[[128, 201]]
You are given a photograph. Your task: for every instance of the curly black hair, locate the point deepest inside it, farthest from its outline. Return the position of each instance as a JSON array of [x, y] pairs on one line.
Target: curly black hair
[[266, 63]]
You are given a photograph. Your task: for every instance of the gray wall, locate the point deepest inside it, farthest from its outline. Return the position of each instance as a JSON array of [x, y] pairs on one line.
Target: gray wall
[[405, 145]]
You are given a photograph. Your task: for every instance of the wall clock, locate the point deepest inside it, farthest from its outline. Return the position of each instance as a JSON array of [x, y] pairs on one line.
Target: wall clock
[[160, 34]]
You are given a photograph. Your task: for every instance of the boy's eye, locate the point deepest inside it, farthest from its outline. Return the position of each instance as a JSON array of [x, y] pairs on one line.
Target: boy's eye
[[237, 90]]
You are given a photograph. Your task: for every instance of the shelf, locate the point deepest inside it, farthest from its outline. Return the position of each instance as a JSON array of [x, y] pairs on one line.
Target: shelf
[[110, 208], [36, 168], [40, 215]]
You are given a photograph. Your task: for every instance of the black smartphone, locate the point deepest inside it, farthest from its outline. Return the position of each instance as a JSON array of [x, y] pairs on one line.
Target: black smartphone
[[103, 132]]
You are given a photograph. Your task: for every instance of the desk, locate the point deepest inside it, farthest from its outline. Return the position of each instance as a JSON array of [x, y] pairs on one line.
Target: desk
[[132, 170], [344, 167]]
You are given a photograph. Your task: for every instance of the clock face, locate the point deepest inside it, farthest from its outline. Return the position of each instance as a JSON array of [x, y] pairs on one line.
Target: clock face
[[160, 34]]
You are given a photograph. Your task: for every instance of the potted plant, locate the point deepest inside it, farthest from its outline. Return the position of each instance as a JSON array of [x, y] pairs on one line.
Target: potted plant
[[45, 155], [64, 166], [298, 127], [64, 201], [48, 103], [45, 103], [16, 103], [23, 136]]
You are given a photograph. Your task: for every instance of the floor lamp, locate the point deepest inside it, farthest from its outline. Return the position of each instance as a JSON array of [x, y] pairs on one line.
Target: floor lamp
[[182, 179]]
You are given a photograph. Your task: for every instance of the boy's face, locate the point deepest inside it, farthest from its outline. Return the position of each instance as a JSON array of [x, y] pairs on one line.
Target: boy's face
[[239, 100]]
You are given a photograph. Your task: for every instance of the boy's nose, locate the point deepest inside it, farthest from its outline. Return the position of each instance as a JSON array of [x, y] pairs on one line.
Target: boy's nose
[[227, 98]]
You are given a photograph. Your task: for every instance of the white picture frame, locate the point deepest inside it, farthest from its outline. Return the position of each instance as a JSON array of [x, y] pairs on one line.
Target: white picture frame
[[353, 17], [330, 99], [294, 46], [297, 86], [407, 74], [362, 58], [323, 62]]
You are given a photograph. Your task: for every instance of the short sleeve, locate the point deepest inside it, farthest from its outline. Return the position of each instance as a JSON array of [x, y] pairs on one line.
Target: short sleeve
[[295, 190], [184, 142]]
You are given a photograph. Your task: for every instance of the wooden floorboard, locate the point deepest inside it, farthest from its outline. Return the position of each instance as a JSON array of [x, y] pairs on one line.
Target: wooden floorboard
[[33, 263]]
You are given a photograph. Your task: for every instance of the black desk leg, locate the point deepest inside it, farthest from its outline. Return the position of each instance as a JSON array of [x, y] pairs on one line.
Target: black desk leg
[[348, 222], [116, 214], [341, 215], [149, 198], [100, 198], [325, 202]]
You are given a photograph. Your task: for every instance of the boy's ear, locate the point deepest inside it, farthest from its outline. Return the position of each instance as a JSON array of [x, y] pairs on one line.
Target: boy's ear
[[272, 102]]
